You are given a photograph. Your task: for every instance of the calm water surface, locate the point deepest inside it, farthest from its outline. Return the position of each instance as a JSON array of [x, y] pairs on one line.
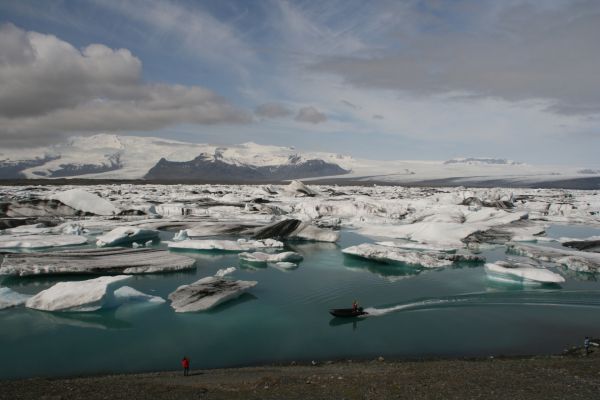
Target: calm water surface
[[454, 311]]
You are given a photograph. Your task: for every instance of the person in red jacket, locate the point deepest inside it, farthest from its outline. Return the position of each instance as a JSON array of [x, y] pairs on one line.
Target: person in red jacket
[[185, 363]]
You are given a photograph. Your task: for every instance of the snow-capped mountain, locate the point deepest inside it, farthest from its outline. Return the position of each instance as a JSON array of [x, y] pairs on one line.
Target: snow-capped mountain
[[132, 157], [107, 156]]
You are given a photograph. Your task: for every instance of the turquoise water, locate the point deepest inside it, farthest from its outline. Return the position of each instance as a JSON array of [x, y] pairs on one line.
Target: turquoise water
[[454, 311]]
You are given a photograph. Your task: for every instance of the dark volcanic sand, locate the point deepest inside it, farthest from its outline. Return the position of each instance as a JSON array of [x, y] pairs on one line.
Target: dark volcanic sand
[[558, 377]]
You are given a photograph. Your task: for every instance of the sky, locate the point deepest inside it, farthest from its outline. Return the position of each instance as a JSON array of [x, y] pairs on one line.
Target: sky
[[419, 80]]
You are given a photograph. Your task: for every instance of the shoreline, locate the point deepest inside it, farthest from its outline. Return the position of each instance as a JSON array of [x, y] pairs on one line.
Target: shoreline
[[571, 375]]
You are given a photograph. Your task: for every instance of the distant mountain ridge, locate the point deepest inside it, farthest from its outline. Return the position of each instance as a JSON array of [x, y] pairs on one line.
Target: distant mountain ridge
[[482, 161], [212, 169], [106, 156]]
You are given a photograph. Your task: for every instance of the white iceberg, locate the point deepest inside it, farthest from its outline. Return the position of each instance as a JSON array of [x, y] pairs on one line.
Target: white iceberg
[[427, 259], [82, 296], [226, 245], [125, 235], [39, 241], [225, 271], [418, 246], [9, 298], [285, 265], [298, 188], [206, 293], [445, 225], [264, 258], [128, 294], [522, 272], [84, 201], [181, 235]]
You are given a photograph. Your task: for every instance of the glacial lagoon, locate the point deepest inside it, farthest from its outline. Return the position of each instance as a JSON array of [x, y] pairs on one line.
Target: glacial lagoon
[[445, 312]]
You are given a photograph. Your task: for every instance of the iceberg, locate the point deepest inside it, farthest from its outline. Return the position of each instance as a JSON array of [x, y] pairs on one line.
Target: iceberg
[[126, 234], [522, 272], [103, 261], [9, 298], [87, 202], [581, 261], [225, 271], [181, 235], [264, 258], [285, 265], [126, 294], [39, 241], [591, 244], [83, 296], [207, 293], [298, 188], [295, 229], [446, 225], [418, 246], [390, 255], [226, 245]]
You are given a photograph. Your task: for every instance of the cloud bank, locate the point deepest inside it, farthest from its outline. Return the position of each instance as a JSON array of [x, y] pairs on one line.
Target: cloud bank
[[50, 89]]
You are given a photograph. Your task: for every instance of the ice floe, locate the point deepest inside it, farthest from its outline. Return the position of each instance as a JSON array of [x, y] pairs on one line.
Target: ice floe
[[207, 293], [226, 245], [294, 229], [267, 258], [39, 241], [522, 272], [103, 261], [124, 235], [298, 188], [82, 200], [418, 246], [427, 259], [575, 260], [126, 294], [81, 296], [591, 244], [225, 271], [9, 298]]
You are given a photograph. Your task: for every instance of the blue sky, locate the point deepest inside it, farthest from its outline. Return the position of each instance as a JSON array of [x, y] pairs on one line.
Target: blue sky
[[385, 79]]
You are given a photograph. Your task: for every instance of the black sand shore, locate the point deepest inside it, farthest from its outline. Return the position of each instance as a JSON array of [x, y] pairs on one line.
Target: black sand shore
[[549, 377]]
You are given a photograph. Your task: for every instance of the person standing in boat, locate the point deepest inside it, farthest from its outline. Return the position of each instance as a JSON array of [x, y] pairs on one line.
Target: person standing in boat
[[355, 306], [185, 363]]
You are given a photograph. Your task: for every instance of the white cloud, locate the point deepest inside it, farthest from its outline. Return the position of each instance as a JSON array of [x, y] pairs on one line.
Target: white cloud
[[50, 89]]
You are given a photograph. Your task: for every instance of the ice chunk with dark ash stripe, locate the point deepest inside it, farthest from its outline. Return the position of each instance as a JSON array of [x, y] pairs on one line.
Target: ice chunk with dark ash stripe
[[575, 260], [591, 244], [295, 229], [103, 261], [207, 293], [392, 255]]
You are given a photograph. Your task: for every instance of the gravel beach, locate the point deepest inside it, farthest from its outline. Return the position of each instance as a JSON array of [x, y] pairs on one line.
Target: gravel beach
[[551, 377]]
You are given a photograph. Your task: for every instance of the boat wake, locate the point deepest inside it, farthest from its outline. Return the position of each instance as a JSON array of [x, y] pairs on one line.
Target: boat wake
[[529, 298]]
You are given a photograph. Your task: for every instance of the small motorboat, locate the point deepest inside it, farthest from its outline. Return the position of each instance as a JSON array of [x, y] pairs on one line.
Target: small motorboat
[[347, 312]]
